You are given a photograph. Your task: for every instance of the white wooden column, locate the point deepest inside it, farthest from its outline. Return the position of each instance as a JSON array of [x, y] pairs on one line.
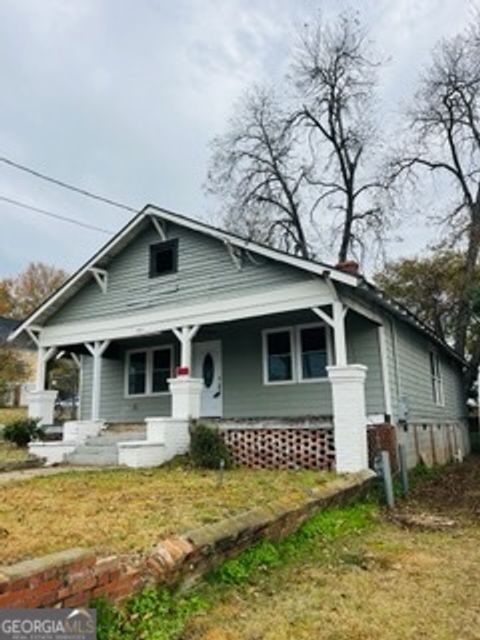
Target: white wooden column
[[97, 349], [44, 354], [337, 323], [185, 336]]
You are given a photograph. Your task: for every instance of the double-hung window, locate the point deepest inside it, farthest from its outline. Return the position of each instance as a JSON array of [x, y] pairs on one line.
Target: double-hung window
[[148, 370], [295, 354], [278, 354], [312, 352], [436, 377]]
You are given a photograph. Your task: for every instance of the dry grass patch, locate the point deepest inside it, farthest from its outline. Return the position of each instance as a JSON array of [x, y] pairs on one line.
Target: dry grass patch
[[419, 585], [122, 510], [11, 453], [9, 414]]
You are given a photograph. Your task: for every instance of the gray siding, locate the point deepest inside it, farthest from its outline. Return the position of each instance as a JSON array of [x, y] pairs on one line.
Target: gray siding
[[244, 393], [205, 270], [410, 379]]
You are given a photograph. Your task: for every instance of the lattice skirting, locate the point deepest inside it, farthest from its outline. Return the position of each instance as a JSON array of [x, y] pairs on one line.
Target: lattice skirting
[[282, 448]]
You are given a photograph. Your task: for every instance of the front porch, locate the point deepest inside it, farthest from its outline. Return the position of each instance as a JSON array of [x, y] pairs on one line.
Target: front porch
[[303, 366]]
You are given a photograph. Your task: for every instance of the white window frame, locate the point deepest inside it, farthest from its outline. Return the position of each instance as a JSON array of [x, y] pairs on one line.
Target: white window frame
[[148, 370], [328, 337], [265, 334], [296, 353], [436, 378]]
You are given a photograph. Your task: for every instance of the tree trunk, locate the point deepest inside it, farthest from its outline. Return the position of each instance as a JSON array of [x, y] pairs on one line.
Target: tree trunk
[[471, 258]]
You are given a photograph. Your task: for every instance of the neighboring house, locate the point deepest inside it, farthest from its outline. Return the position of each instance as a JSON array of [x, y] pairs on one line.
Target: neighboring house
[[174, 319], [17, 390]]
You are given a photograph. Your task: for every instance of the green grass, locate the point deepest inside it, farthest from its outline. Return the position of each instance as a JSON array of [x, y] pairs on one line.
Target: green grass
[[11, 453], [161, 614]]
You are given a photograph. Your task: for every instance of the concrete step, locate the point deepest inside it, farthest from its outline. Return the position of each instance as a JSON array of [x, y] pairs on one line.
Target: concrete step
[[109, 439], [102, 450]]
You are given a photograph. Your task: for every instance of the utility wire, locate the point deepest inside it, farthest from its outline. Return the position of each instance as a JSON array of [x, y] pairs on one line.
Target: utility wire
[[66, 185], [57, 216]]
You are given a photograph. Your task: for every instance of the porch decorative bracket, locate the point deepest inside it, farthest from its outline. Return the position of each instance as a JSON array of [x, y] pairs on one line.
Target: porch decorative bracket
[[235, 254], [159, 227], [101, 277]]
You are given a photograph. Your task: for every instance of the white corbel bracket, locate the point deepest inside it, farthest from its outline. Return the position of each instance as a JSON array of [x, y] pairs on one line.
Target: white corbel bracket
[[101, 277], [159, 227], [235, 254]]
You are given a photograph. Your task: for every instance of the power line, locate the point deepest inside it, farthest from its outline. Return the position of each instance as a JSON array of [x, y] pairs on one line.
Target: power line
[[57, 216], [66, 185]]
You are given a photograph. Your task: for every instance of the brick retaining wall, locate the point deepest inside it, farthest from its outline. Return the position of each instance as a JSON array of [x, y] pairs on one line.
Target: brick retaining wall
[[73, 577]]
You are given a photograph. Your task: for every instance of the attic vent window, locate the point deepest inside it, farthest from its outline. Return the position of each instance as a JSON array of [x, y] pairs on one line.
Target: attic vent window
[[163, 258]]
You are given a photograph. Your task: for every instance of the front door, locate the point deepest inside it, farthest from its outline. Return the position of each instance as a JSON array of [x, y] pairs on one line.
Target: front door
[[207, 365]]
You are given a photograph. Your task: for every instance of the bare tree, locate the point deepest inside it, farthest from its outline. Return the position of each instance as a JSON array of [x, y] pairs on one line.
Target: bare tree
[[257, 173], [283, 171], [444, 139], [335, 77]]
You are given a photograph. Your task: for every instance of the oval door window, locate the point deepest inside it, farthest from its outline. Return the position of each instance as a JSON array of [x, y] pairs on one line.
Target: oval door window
[[208, 370]]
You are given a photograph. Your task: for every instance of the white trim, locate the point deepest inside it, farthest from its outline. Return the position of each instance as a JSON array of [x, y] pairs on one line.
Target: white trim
[[296, 353], [159, 228], [248, 245], [387, 393], [101, 277], [329, 350], [265, 334], [277, 300], [436, 378], [148, 370]]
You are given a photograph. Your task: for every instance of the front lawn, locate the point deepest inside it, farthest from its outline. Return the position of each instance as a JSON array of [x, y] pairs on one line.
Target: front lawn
[[125, 509], [11, 453], [9, 414]]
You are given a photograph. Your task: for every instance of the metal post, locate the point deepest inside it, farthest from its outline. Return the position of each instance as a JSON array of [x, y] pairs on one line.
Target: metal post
[[402, 456], [387, 478]]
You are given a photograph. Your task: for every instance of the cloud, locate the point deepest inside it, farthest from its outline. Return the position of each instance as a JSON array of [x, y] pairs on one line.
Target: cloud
[[123, 98]]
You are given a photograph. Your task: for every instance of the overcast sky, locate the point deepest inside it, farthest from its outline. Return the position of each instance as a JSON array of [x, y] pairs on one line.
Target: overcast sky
[[123, 96]]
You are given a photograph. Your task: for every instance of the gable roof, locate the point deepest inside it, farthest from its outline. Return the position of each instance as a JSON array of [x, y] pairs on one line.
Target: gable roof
[[100, 259], [7, 326]]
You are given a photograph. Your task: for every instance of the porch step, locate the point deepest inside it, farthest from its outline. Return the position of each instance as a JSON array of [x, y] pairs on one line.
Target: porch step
[[102, 451]]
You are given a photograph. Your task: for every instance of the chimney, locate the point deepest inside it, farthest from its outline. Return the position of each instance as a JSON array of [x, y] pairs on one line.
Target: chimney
[[348, 266]]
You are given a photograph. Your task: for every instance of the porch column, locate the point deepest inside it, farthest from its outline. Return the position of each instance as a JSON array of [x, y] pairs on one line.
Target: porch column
[[348, 396], [41, 402], [185, 390], [349, 417], [97, 349]]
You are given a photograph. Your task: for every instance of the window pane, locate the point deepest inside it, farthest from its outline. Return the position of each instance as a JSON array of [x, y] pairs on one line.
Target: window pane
[[162, 370], [279, 343], [164, 261], [279, 368], [314, 352], [279, 356], [314, 364], [314, 339], [163, 258], [137, 365]]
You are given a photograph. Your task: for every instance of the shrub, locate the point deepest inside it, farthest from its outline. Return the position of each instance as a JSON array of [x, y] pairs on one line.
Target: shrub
[[207, 448], [21, 432]]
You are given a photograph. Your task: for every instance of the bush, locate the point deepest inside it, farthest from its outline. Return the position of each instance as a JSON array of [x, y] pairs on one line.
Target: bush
[[21, 432], [207, 448]]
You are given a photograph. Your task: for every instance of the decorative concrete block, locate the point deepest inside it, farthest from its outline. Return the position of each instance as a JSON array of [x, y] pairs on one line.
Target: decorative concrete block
[[41, 405], [173, 432], [141, 453], [53, 452], [349, 417], [80, 430], [185, 393]]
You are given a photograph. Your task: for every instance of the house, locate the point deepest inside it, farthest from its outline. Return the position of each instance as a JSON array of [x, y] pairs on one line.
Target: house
[[15, 394], [174, 320]]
